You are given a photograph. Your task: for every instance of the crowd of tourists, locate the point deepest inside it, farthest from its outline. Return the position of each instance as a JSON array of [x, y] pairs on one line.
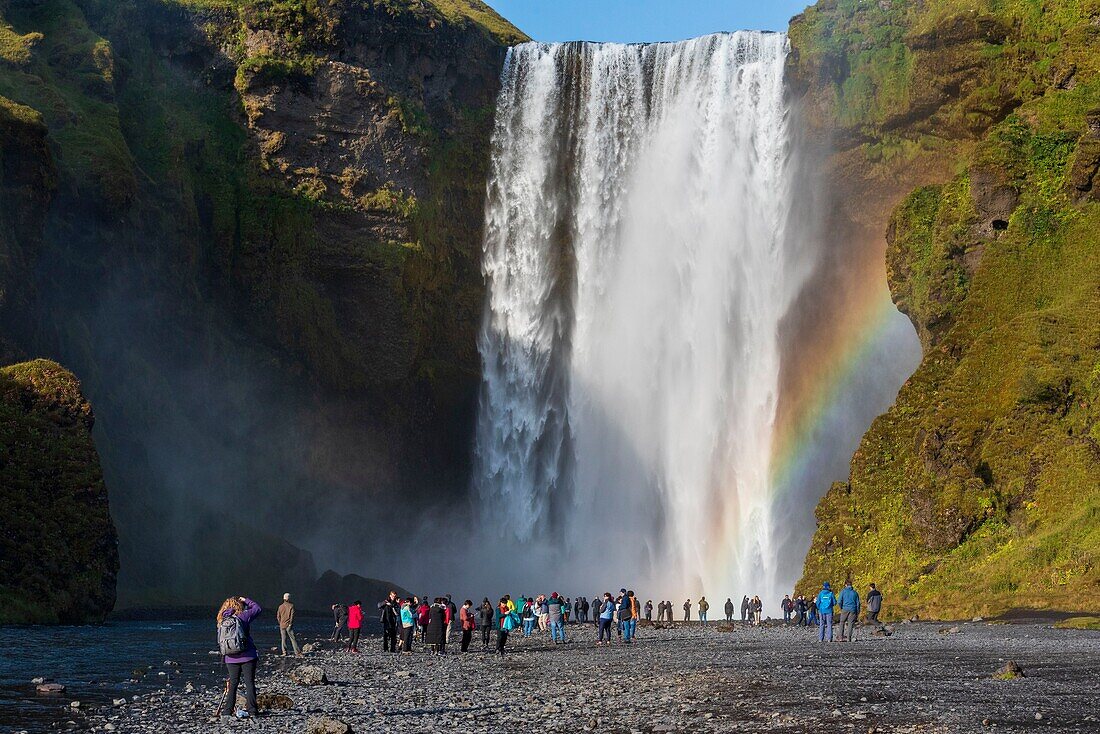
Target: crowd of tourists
[[428, 622]]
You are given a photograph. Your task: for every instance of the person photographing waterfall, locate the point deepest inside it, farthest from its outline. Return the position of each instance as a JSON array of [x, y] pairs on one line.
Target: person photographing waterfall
[[238, 651]]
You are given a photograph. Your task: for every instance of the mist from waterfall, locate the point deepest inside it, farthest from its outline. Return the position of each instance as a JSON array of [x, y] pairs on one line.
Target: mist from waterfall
[[639, 259]]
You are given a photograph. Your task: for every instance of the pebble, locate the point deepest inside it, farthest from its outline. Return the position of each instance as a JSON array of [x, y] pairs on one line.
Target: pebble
[[680, 679]]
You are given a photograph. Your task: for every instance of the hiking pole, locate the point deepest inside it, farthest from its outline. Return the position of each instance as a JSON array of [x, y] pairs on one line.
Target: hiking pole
[[225, 695]]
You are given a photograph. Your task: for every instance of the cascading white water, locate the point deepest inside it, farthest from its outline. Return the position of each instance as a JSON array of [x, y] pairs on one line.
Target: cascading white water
[[639, 263]]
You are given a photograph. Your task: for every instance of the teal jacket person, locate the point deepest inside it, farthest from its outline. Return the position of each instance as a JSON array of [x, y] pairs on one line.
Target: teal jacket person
[[849, 599], [826, 599]]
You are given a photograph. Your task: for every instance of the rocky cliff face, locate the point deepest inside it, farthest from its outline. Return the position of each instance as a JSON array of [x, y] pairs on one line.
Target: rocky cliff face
[[58, 551], [256, 236], [965, 138]]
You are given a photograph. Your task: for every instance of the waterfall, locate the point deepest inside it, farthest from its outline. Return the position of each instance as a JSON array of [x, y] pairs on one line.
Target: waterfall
[[639, 260]]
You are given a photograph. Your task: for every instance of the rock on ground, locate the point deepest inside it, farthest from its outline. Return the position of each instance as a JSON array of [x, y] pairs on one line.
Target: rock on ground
[[682, 679]]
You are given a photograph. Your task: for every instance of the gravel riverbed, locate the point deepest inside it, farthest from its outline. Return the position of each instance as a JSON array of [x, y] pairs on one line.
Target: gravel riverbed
[[923, 678]]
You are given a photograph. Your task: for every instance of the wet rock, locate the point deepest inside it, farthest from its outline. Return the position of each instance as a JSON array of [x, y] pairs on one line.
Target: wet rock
[[308, 675], [50, 688], [37, 681], [274, 701], [119, 702], [325, 725]]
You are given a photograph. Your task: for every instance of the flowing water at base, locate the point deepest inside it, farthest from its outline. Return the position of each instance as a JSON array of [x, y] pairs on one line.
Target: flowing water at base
[[96, 664]]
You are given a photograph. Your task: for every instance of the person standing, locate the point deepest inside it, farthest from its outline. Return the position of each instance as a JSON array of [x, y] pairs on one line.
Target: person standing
[[849, 612], [800, 611], [584, 610], [355, 624], [649, 610], [452, 615], [687, 610], [554, 618], [423, 612], [388, 614], [729, 609], [565, 610], [603, 619], [824, 604], [466, 620], [788, 607], [234, 624], [284, 615], [340, 618], [874, 606], [626, 617], [408, 624], [704, 607], [757, 610], [486, 621], [507, 623], [435, 630], [527, 616], [744, 608]]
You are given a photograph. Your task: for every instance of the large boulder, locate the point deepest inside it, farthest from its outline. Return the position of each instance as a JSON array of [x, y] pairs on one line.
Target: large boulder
[[58, 549], [308, 675], [325, 725]]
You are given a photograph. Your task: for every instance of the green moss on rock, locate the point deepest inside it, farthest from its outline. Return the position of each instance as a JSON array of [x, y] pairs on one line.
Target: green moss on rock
[[979, 490], [58, 551]]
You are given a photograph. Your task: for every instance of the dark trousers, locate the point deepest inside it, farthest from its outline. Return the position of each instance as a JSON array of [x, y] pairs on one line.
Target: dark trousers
[[238, 673], [353, 640], [502, 640], [407, 638], [389, 639], [338, 632], [466, 635], [605, 628], [485, 632]]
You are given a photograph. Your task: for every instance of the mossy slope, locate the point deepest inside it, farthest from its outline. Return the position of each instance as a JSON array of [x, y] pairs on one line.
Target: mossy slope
[[979, 490]]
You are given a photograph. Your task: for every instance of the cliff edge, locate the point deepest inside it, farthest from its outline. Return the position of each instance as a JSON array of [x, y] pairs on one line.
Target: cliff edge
[[972, 129]]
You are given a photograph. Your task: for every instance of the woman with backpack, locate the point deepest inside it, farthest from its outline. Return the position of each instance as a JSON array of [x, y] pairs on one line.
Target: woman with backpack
[[234, 620]]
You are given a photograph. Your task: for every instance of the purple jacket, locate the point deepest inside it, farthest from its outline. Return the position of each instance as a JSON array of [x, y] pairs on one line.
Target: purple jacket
[[251, 611]]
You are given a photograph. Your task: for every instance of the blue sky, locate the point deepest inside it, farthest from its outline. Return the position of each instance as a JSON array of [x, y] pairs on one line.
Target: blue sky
[[643, 20]]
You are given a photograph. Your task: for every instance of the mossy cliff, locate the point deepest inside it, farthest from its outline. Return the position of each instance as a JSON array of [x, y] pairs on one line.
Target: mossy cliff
[[58, 551], [967, 134], [253, 228]]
